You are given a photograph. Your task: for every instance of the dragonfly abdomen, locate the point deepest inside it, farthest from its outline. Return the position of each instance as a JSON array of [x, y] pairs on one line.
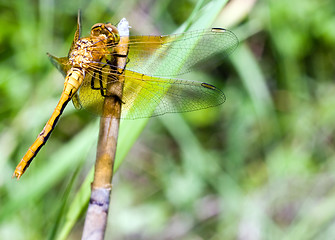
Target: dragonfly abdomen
[[73, 80]]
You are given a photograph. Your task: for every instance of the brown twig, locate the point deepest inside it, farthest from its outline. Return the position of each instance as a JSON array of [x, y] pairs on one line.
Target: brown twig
[[97, 212]]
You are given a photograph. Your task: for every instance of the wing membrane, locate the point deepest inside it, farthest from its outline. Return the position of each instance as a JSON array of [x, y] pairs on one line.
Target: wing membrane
[[178, 53], [145, 96], [144, 93], [62, 64]]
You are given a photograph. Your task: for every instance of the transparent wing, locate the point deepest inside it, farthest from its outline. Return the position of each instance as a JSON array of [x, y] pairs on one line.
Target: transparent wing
[[62, 64], [145, 96], [177, 54]]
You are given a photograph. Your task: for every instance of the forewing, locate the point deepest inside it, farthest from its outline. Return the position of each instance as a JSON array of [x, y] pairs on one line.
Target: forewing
[[177, 54], [145, 95], [77, 34]]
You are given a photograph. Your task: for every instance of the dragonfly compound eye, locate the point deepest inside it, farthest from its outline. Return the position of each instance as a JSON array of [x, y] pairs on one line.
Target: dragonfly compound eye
[[107, 31], [96, 29]]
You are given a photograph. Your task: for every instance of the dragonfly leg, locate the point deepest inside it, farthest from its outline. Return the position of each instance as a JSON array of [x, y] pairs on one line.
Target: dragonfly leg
[[100, 87], [92, 81]]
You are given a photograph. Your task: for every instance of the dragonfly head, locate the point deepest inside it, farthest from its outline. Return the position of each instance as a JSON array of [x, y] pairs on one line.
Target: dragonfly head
[[107, 30]]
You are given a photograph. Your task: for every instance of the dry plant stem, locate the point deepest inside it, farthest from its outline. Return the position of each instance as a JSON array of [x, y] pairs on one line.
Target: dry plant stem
[[97, 212]]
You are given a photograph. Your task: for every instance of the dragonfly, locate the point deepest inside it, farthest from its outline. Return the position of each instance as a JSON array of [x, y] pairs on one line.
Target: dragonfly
[[93, 65]]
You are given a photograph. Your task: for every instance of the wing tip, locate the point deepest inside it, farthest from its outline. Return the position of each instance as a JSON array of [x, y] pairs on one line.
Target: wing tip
[[219, 30], [209, 86]]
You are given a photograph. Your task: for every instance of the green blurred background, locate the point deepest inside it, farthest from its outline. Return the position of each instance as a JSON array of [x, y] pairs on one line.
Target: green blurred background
[[261, 166]]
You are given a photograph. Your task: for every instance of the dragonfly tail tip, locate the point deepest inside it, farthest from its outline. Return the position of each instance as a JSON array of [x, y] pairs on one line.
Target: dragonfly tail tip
[[16, 175]]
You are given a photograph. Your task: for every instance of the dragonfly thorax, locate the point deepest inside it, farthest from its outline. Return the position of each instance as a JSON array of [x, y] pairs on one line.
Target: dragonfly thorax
[[91, 50], [82, 53]]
